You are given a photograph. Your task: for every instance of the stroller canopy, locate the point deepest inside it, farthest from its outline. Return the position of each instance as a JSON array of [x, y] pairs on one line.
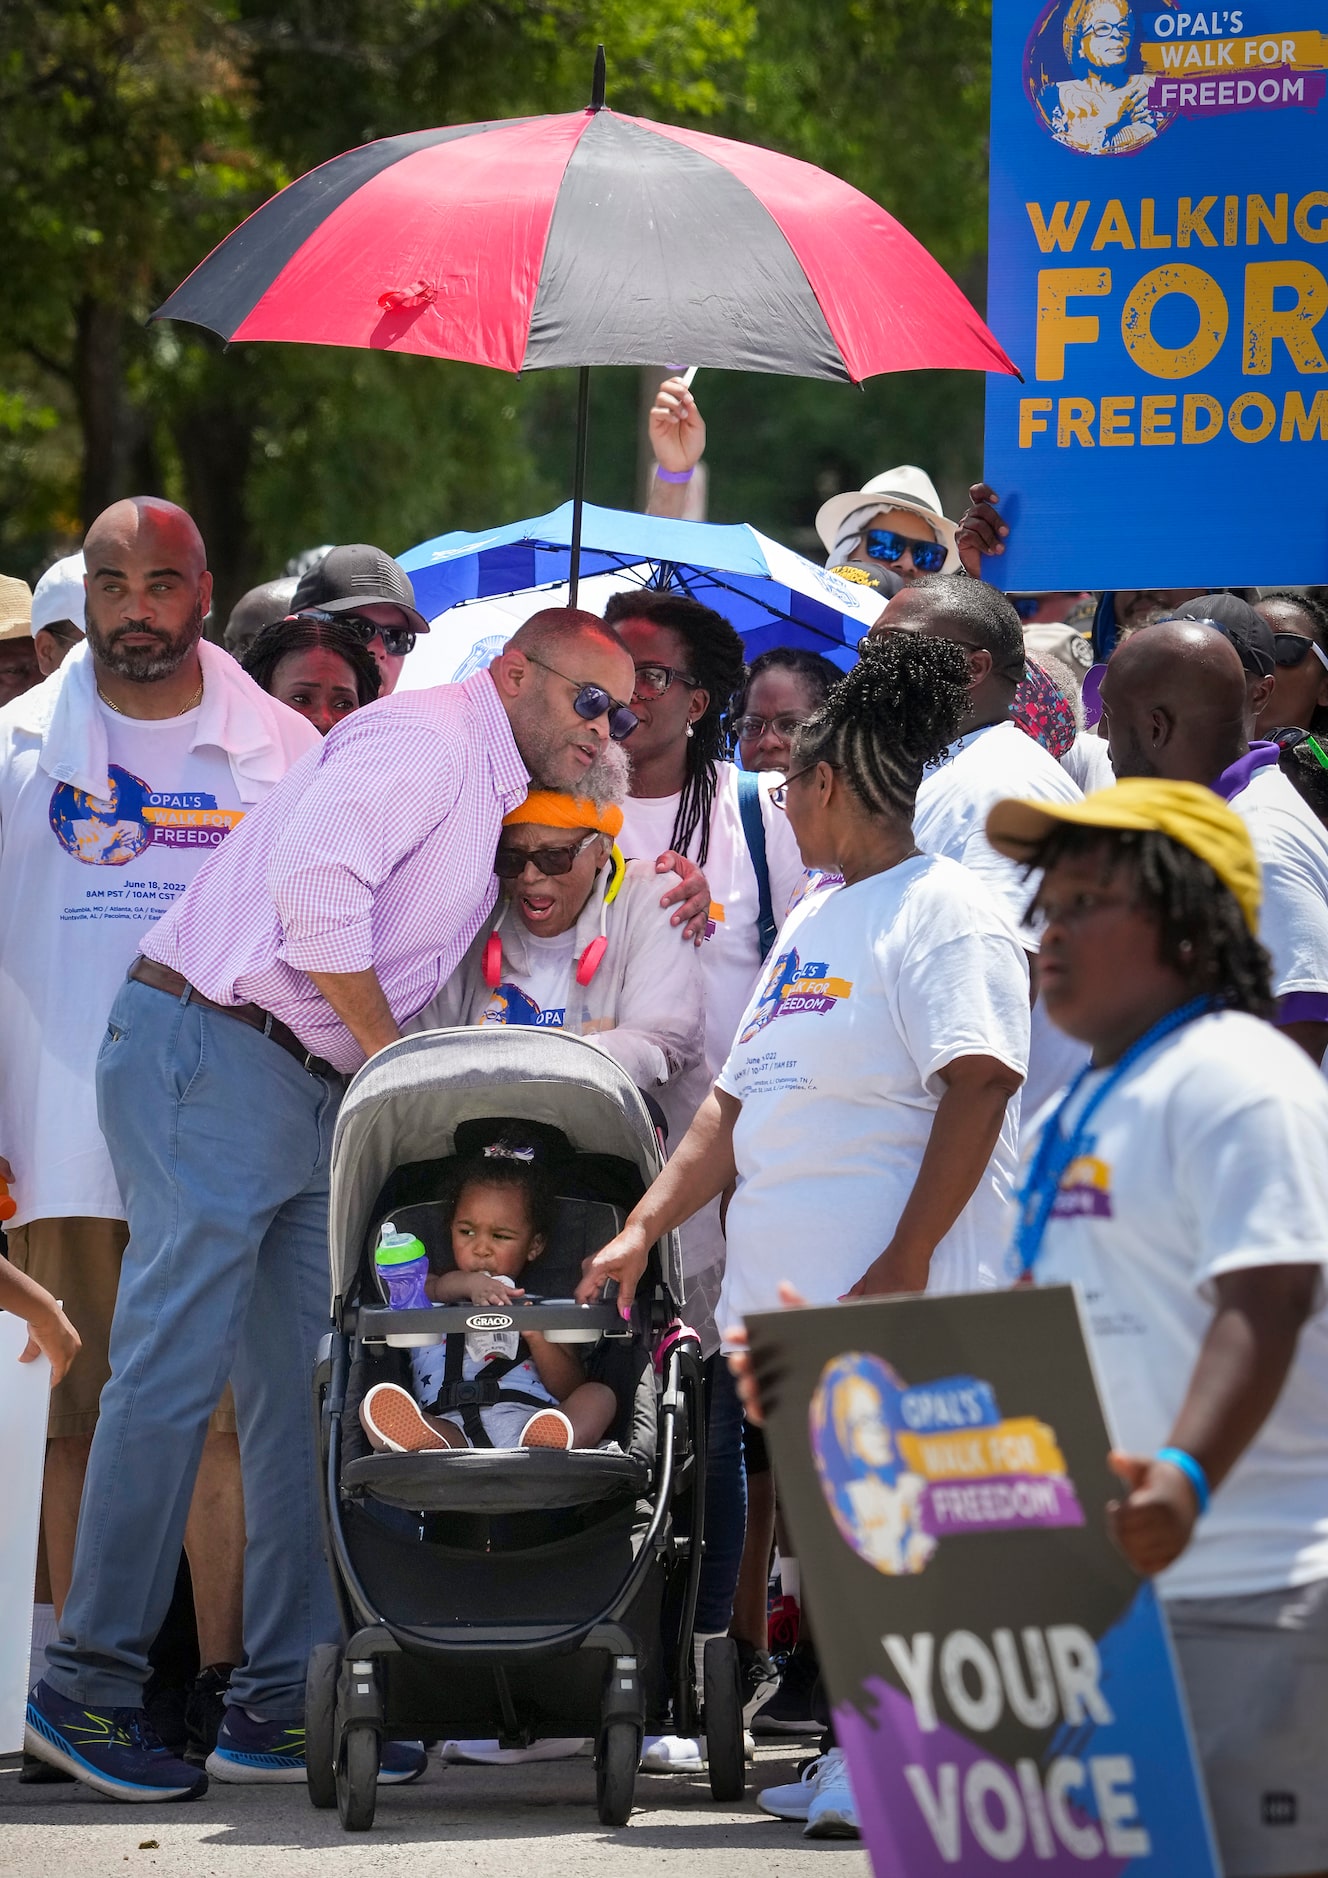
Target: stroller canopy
[[406, 1103]]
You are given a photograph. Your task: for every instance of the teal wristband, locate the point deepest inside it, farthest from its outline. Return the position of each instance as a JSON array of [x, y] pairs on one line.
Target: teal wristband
[[1192, 1471]]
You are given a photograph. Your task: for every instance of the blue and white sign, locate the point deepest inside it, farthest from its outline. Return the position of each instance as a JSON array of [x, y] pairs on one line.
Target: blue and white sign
[[1159, 274]]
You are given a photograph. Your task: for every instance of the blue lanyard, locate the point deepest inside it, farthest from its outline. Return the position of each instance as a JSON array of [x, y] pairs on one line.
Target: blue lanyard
[[1054, 1153]]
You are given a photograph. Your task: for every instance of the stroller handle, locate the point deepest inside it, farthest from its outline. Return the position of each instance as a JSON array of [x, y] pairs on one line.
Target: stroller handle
[[561, 1320]]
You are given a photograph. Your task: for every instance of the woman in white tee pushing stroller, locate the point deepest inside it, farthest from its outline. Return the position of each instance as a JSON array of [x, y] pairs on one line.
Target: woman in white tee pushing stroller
[[516, 1592]]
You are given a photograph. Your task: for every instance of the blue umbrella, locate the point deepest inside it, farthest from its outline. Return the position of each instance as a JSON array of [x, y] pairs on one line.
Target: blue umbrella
[[773, 596]]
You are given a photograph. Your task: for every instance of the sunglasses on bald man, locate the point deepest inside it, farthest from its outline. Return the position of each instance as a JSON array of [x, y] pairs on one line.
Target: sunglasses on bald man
[[592, 701]]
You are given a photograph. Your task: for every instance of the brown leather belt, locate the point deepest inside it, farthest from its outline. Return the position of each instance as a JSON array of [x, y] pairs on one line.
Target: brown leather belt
[[161, 978]]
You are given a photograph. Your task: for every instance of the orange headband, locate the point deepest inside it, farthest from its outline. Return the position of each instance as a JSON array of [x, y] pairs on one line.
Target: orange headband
[[553, 808]]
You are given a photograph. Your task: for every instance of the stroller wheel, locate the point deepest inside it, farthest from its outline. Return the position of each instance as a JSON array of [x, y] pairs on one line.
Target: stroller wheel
[[615, 1771], [357, 1778], [320, 1724], [723, 1719]]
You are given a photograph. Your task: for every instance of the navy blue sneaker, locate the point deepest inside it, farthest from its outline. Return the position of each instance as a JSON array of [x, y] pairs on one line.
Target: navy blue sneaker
[[250, 1753], [114, 1749]]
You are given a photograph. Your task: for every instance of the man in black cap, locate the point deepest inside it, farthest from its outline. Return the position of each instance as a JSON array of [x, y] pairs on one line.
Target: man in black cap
[[1252, 638], [1179, 704], [365, 589]]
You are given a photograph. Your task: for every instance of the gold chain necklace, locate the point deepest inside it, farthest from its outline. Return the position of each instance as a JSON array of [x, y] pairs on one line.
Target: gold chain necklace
[[111, 705]]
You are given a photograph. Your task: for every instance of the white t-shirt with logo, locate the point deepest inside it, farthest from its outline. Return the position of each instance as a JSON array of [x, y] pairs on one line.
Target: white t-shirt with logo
[[1210, 1156], [871, 991], [82, 882], [956, 797], [539, 998], [730, 953]]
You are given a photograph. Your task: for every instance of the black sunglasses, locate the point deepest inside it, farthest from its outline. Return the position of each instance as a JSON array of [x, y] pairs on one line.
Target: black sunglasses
[[883, 544], [1293, 649], [510, 863], [397, 640], [593, 701]]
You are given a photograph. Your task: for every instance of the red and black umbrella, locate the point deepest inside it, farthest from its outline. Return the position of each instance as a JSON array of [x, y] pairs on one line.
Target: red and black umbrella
[[587, 239]]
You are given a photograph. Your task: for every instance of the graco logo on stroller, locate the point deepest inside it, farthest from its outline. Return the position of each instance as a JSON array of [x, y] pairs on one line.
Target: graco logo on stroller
[[489, 1320]]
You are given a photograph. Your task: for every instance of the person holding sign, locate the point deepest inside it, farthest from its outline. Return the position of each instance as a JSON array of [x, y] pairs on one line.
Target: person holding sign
[[1182, 1181]]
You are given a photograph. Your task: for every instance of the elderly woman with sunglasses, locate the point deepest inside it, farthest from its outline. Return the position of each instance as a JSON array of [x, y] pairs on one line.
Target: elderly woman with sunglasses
[[578, 940], [893, 523]]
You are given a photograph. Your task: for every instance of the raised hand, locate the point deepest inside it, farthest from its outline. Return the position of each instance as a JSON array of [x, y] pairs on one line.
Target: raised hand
[[981, 530]]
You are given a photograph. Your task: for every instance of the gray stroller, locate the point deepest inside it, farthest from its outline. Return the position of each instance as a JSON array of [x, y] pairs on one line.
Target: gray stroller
[[517, 1593]]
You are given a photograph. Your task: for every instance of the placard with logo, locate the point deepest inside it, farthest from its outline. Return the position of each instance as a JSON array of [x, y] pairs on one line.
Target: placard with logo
[[1002, 1682], [1158, 270]]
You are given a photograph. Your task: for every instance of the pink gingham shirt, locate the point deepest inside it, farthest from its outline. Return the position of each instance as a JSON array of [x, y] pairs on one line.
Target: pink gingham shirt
[[374, 850]]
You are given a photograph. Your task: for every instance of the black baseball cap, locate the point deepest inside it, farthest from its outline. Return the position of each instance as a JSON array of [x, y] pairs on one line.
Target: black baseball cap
[[1237, 621], [355, 576]]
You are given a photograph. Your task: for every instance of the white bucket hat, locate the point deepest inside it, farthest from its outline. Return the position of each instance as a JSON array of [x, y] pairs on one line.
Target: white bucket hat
[[905, 487], [59, 595]]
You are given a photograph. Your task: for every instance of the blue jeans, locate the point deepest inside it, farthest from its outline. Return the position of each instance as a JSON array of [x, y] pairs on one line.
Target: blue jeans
[[725, 1501], [221, 1144]]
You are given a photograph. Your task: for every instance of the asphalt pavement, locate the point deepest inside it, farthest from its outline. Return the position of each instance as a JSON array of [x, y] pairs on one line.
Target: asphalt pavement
[[535, 1821]]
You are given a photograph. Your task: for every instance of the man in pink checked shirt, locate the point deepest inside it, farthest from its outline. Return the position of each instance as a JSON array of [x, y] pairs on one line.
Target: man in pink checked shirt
[[332, 914]]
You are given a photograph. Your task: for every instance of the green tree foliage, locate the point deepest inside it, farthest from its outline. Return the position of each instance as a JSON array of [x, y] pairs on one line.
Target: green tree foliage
[[134, 135]]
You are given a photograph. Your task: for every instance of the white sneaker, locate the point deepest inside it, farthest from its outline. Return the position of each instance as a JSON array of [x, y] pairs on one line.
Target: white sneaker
[[832, 1813], [672, 1754], [683, 1754], [489, 1754], [793, 1801]]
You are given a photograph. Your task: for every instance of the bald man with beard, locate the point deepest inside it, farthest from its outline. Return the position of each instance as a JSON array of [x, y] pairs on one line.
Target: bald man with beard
[[1176, 706], [119, 775]]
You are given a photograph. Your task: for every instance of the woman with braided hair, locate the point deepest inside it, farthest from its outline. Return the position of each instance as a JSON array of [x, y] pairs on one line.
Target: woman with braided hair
[[869, 1107], [1182, 1182]]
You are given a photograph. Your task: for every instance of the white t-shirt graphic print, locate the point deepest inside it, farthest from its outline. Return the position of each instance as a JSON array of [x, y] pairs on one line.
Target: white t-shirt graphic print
[[539, 997], [91, 877], [870, 992]]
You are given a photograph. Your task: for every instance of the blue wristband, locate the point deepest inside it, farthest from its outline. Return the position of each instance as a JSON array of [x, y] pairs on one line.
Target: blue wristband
[[1192, 1471]]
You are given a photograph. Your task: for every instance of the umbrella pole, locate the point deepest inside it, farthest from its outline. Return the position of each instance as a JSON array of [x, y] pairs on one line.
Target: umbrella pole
[[579, 479]]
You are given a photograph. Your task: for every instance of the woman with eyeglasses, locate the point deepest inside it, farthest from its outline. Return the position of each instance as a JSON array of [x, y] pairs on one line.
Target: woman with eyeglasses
[[1299, 697], [578, 940], [782, 689], [316, 665]]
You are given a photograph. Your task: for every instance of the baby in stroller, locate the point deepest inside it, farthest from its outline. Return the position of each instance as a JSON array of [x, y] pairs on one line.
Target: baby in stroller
[[501, 1220]]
